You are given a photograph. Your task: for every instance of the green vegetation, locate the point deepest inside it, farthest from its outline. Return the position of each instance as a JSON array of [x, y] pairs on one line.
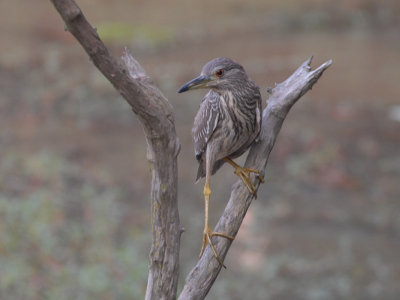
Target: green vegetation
[[117, 32], [59, 237]]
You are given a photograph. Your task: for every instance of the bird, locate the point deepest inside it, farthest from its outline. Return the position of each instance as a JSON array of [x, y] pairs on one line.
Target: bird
[[226, 125]]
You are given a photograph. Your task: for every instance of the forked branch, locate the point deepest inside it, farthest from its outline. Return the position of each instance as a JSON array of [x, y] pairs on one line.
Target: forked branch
[[156, 115]]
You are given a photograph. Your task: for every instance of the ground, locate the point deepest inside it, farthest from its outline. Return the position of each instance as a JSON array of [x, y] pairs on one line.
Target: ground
[[74, 180]]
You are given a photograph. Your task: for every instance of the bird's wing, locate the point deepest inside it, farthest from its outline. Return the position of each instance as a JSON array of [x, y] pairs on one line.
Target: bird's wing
[[205, 122]]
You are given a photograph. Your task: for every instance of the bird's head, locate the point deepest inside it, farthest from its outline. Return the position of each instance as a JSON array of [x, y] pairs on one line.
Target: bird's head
[[219, 74]]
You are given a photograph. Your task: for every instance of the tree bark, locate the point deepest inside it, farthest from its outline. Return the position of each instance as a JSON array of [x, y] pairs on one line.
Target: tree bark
[[156, 116], [282, 97]]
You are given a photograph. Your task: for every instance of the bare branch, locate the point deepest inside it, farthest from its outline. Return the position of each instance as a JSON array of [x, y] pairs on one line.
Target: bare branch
[[136, 71], [282, 97], [155, 114]]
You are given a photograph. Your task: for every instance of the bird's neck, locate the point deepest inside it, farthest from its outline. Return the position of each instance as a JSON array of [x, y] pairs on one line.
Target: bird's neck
[[235, 94]]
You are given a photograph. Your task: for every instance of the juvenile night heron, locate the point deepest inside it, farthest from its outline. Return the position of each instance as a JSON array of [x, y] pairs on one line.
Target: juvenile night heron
[[227, 123]]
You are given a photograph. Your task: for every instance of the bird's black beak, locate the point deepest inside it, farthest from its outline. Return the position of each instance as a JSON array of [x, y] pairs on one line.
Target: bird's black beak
[[197, 83]]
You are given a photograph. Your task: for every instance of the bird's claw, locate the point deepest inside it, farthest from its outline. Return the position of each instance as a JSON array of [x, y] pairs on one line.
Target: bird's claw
[[244, 174], [207, 236]]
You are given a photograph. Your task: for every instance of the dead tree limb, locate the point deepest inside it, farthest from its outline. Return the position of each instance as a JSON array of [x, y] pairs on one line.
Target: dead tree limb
[[282, 97], [156, 116]]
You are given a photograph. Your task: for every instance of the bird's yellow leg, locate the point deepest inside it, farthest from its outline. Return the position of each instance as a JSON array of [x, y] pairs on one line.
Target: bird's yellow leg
[[244, 174], [207, 233]]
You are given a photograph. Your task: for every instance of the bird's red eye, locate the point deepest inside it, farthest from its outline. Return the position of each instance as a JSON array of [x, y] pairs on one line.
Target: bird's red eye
[[219, 73]]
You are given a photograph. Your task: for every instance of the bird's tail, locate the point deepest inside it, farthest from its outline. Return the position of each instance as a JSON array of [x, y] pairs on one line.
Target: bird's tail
[[201, 171]]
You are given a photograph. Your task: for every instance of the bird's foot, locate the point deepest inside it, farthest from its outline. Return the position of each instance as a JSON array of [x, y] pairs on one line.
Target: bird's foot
[[244, 174], [207, 236]]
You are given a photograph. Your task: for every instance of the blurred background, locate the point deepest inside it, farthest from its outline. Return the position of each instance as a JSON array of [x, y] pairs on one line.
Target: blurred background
[[74, 180]]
